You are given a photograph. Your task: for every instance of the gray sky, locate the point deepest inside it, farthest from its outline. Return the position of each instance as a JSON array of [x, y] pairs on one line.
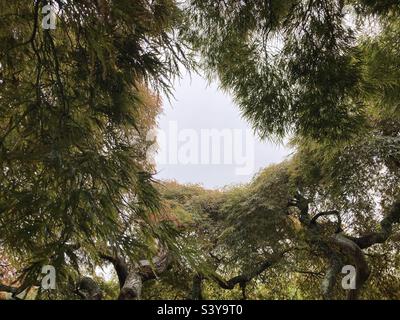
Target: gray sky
[[203, 139]]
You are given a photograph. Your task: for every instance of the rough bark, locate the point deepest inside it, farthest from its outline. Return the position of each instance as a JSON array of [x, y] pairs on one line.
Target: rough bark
[[329, 281], [132, 276], [120, 266], [358, 259], [132, 287], [88, 289], [339, 247]]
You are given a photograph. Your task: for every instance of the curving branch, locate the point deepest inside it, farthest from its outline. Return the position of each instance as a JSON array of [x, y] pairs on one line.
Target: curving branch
[[120, 266], [340, 246], [247, 277], [386, 227], [328, 213], [5, 288], [132, 276], [352, 250], [34, 30]]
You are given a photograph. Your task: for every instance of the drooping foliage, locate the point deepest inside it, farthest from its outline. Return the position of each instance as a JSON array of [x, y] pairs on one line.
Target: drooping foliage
[[76, 185], [76, 105], [263, 243], [299, 67]]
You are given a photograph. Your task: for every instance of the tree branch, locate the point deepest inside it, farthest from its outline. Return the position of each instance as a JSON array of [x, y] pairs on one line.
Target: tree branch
[[132, 276], [120, 266], [386, 226], [356, 254], [328, 213], [10, 289], [329, 281], [34, 30], [247, 277]]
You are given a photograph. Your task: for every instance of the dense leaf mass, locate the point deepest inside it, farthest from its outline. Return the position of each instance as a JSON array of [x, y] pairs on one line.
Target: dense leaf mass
[[294, 67], [77, 106]]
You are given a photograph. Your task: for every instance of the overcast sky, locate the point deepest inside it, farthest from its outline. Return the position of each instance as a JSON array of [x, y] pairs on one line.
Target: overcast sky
[[203, 139]]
